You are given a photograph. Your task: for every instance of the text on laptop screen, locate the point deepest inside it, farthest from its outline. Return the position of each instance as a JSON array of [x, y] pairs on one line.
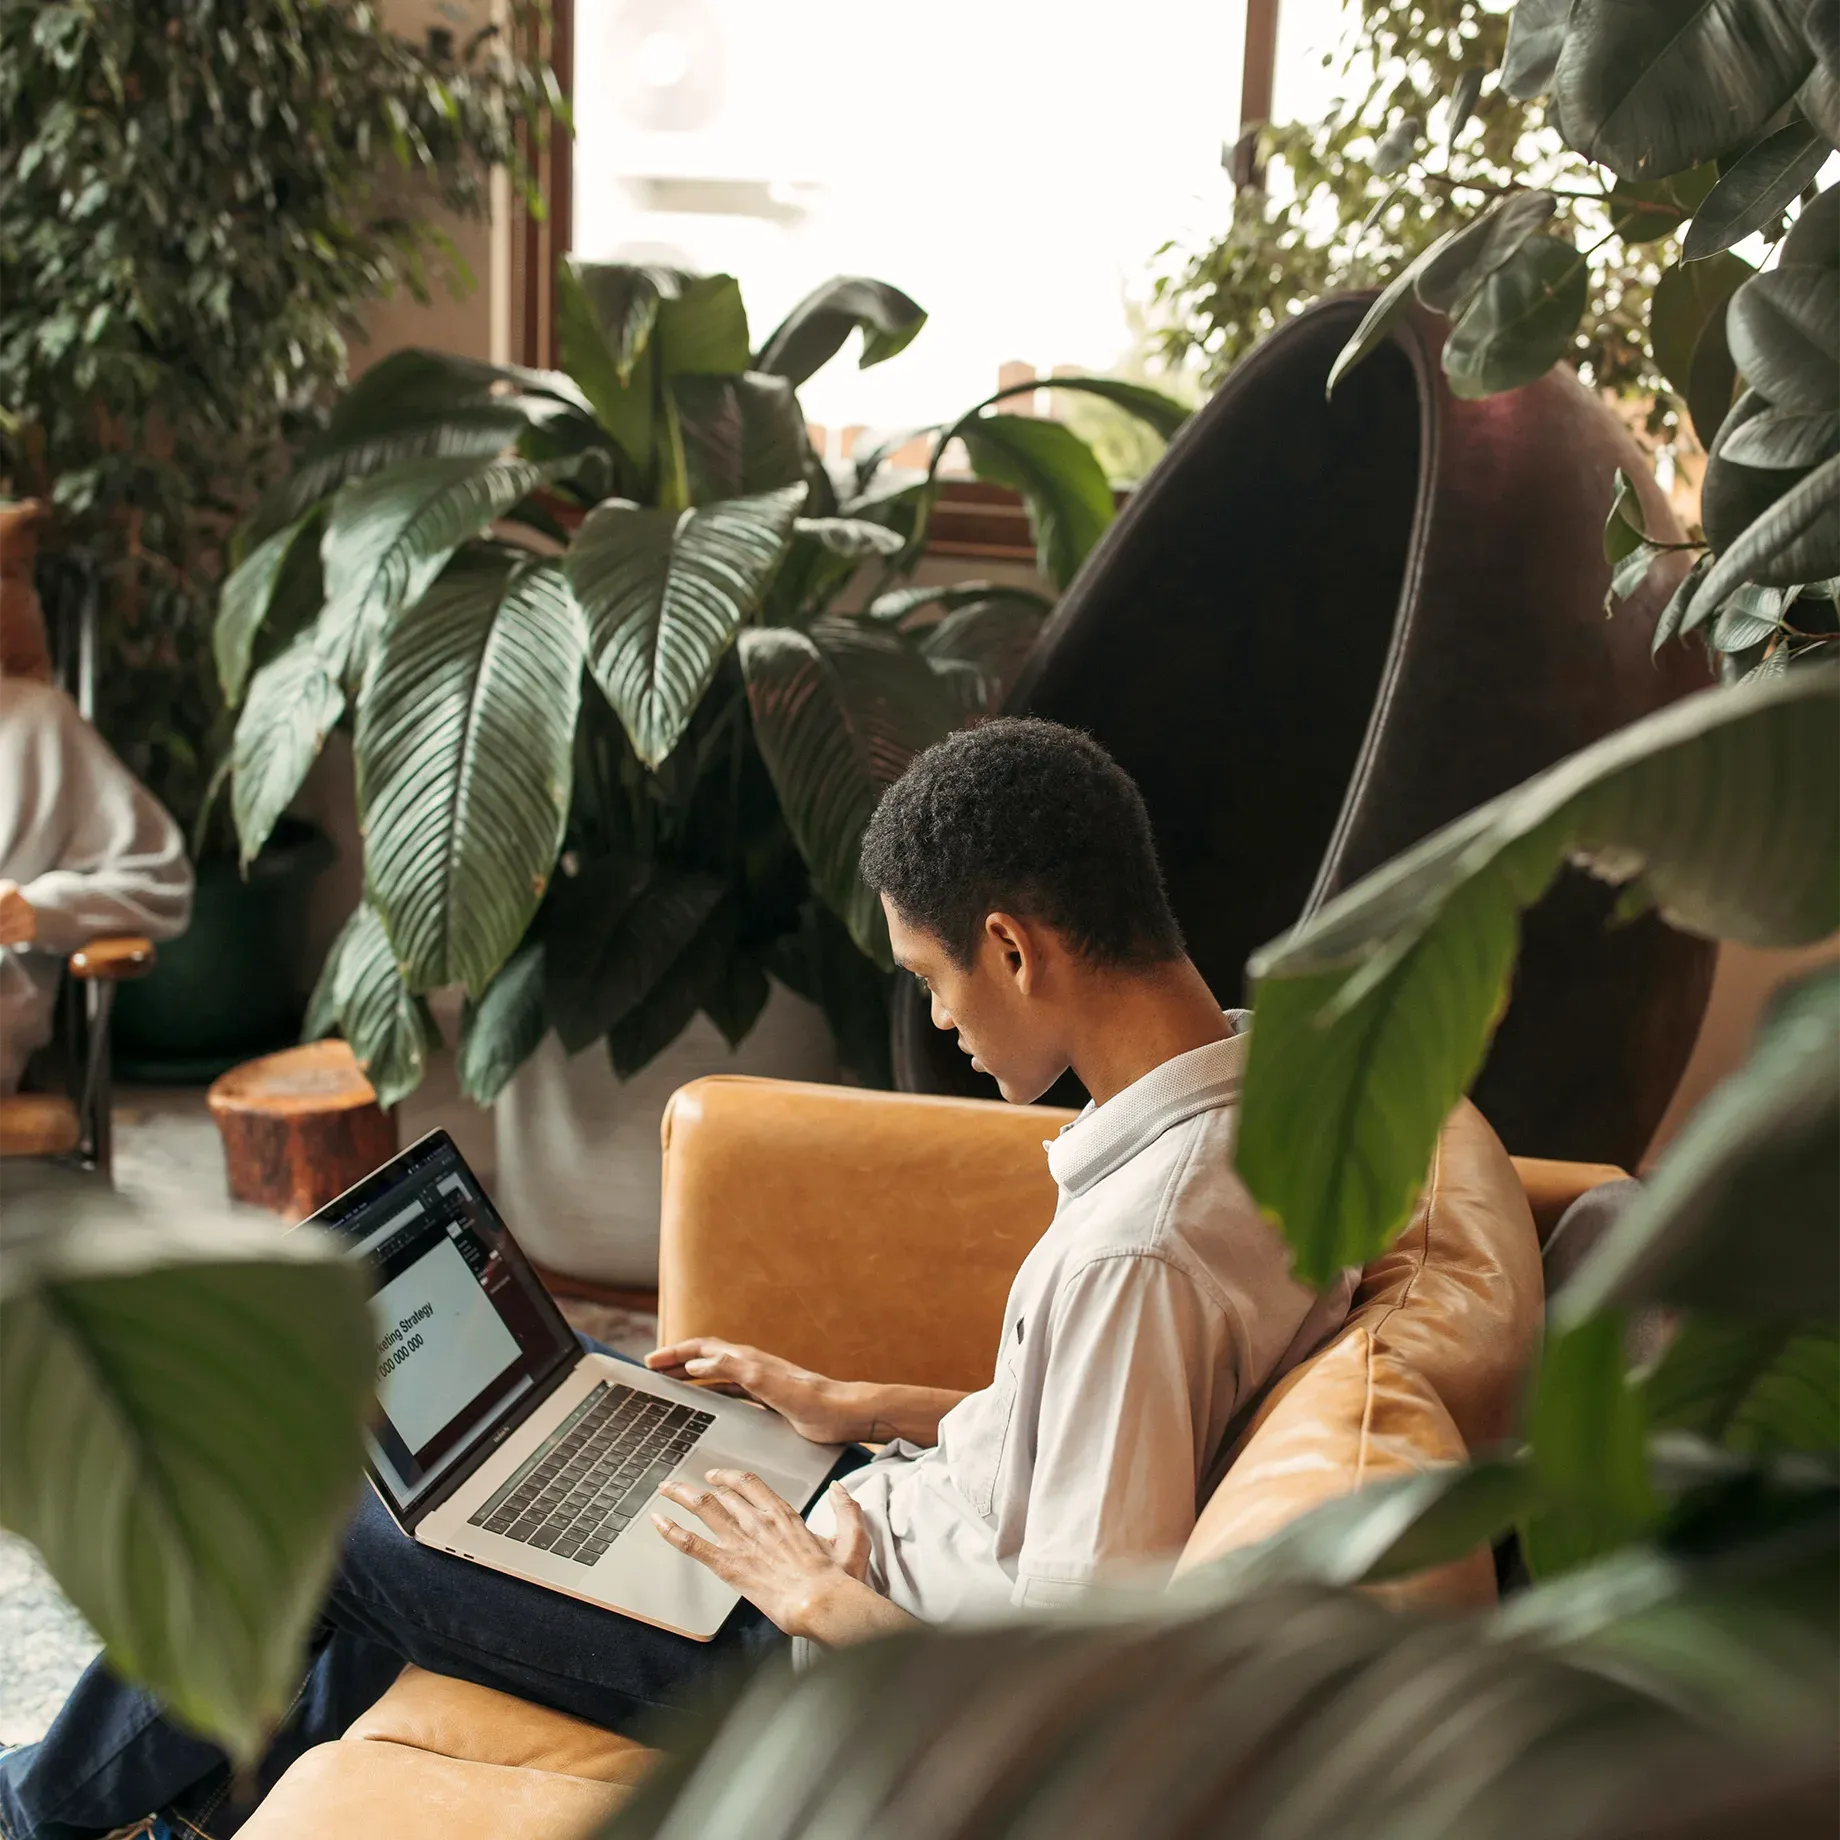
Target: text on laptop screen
[[463, 1326]]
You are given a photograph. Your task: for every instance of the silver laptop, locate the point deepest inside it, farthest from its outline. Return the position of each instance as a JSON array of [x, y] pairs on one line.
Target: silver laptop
[[501, 1439]]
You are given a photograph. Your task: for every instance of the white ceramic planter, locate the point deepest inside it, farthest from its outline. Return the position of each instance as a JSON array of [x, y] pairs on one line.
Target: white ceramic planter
[[578, 1153]]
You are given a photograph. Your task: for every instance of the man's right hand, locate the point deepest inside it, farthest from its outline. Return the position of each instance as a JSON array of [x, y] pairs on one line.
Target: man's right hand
[[826, 1411]]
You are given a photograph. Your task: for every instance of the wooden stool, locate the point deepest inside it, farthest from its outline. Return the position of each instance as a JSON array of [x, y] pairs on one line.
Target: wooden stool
[[300, 1127]]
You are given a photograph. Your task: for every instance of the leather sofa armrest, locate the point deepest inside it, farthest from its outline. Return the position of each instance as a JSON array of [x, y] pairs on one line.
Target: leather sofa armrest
[[1552, 1187], [867, 1235]]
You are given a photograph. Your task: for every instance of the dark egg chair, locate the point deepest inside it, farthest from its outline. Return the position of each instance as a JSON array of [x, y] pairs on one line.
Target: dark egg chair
[[1322, 629]]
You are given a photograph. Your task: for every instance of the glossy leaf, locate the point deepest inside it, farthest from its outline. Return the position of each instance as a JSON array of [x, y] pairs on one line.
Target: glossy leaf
[[1062, 483], [596, 333], [1655, 88], [741, 435], [1713, 381], [1643, 210], [293, 704], [1624, 529], [1738, 1214], [1756, 1386], [838, 713], [703, 328], [181, 1409], [362, 994], [1536, 31], [1754, 194], [389, 536], [814, 331], [995, 637], [1732, 495], [1749, 618], [1784, 331], [1687, 309], [901, 605], [616, 929], [1779, 438], [623, 299], [1814, 238], [694, 973], [1375, 1013], [1678, 602], [1797, 539], [664, 596], [278, 584], [500, 1032], [1380, 318], [1467, 260], [1819, 98], [1521, 323], [855, 538], [464, 745]]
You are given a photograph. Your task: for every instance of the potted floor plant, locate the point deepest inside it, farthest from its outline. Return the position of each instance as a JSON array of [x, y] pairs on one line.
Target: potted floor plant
[[182, 277], [625, 669]]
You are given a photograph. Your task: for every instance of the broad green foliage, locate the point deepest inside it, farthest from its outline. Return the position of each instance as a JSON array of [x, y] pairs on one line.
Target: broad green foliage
[[200, 202], [180, 1408], [404, 578], [1375, 1013]]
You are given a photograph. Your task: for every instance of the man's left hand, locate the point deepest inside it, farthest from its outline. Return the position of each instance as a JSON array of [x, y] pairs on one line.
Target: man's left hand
[[807, 1585], [18, 917]]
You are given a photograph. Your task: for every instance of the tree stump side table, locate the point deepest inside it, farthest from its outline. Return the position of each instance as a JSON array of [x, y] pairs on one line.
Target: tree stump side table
[[299, 1127]]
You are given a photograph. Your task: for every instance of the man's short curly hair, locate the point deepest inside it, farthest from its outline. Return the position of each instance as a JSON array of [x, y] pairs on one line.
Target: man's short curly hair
[[1030, 818]]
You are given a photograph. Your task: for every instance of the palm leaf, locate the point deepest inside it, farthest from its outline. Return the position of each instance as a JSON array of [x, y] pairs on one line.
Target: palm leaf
[[181, 1412], [664, 595], [838, 713], [389, 536], [464, 749], [1374, 1014], [362, 992], [292, 706]]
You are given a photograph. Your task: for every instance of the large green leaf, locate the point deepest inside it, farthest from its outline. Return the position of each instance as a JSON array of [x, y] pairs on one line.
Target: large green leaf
[[389, 536], [623, 299], [362, 994], [703, 328], [664, 595], [1732, 495], [1757, 1385], [293, 704], [1814, 237], [1754, 194], [1652, 87], [696, 971], [1783, 439], [1643, 210], [822, 963], [1739, 1214], [1687, 334], [464, 745], [1797, 539], [1391, 303], [1161, 413], [181, 1408], [838, 713], [1587, 1429], [1062, 483], [741, 435], [277, 586], [606, 353], [500, 1032], [994, 636], [1784, 331], [1521, 322], [1461, 265], [814, 331], [1536, 31], [613, 930], [1374, 1014]]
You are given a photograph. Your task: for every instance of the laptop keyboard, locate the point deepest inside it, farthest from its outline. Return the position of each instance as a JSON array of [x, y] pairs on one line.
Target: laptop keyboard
[[578, 1494]]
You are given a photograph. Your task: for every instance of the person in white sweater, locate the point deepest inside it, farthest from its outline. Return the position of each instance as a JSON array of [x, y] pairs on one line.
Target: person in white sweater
[[85, 849]]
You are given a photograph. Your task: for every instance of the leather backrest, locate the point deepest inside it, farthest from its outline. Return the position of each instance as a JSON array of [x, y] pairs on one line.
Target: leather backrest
[[1356, 1414], [868, 1235]]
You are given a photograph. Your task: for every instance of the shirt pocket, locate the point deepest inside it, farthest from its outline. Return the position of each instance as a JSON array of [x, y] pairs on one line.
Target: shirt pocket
[[979, 1463]]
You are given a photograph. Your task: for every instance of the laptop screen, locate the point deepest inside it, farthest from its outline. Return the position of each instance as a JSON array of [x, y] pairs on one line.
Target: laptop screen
[[465, 1331]]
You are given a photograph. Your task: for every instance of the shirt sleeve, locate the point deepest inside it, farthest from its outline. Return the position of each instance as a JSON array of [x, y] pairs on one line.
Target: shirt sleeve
[[121, 865], [1135, 1346]]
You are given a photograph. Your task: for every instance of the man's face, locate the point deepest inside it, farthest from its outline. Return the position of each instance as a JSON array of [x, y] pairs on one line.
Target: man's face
[[999, 1005]]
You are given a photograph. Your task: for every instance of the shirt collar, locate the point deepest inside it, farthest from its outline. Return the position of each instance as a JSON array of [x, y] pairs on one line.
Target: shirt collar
[[1104, 1137]]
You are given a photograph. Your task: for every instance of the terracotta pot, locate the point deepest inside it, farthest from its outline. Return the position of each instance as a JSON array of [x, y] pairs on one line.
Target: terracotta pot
[[1323, 629]]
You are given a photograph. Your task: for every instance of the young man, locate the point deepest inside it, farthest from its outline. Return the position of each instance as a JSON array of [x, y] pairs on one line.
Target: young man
[[1016, 867]]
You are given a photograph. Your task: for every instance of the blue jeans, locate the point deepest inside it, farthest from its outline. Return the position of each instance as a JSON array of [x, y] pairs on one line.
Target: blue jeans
[[111, 1757]]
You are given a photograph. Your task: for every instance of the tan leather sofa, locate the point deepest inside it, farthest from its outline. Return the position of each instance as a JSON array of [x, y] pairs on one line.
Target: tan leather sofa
[[874, 1235]]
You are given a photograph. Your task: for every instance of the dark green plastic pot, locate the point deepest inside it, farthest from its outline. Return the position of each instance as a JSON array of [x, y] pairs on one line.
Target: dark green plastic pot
[[233, 984]]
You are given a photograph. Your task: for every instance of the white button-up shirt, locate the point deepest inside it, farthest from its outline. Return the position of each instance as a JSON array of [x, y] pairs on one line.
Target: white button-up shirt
[[1157, 1303]]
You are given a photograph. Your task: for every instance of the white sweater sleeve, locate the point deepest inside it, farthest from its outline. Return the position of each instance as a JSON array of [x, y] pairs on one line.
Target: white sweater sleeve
[[113, 861]]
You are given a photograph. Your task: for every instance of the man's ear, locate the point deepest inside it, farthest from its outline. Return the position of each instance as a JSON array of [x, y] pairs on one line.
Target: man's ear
[[1017, 945]]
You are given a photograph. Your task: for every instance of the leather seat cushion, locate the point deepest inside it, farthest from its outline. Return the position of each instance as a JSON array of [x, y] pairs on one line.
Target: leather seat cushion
[[1355, 1414], [38, 1124]]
